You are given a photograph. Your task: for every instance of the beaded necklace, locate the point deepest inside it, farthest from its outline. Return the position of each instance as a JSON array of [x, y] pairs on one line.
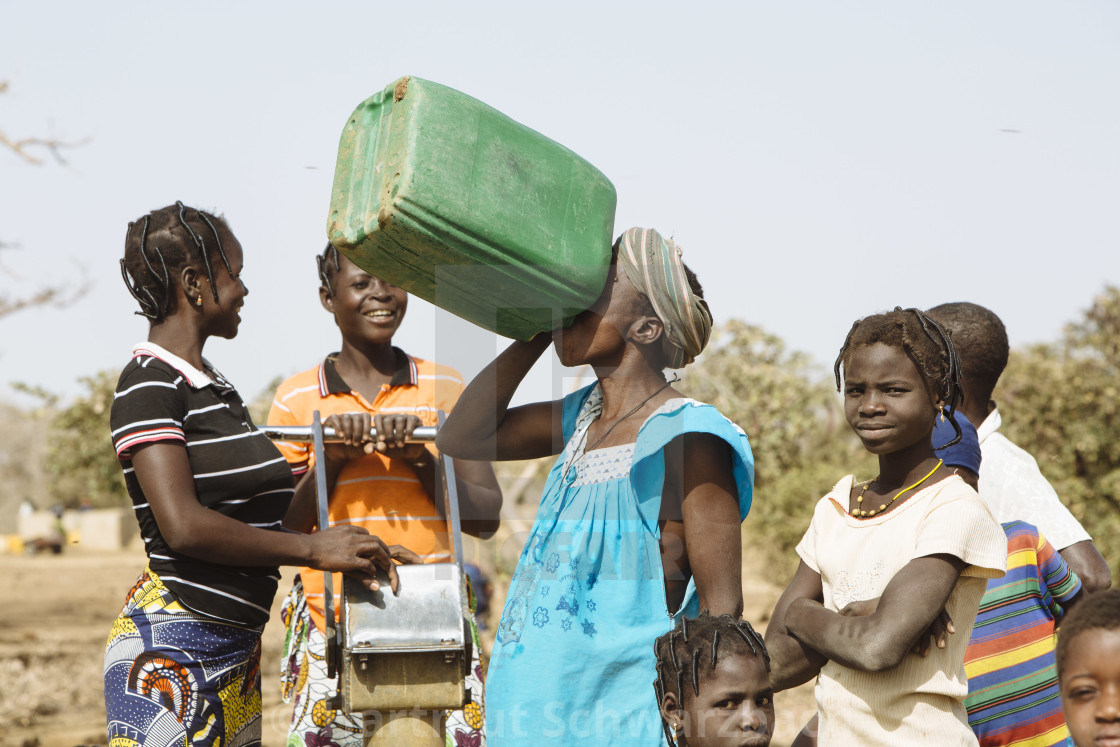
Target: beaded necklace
[[867, 514]]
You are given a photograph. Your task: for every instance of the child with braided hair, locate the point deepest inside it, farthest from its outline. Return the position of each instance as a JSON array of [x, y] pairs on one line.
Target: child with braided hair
[[883, 559], [713, 683], [211, 494]]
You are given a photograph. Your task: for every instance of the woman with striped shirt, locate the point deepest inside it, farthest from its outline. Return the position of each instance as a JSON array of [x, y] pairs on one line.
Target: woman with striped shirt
[[210, 493]]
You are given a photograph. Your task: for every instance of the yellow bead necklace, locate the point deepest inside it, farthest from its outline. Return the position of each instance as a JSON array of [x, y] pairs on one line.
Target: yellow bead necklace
[[859, 498]]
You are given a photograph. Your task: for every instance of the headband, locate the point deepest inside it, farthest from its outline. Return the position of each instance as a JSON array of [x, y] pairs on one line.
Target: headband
[[653, 264]]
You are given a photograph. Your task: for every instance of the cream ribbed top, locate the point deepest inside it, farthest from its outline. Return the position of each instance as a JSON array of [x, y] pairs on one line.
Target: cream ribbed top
[[920, 700]]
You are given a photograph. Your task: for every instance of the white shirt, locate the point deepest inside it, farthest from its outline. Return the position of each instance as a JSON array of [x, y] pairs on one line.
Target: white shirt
[[1015, 490]]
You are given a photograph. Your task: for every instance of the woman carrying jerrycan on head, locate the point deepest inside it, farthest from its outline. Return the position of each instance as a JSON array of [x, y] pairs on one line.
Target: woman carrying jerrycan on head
[[882, 559], [211, 494], [639, 520]]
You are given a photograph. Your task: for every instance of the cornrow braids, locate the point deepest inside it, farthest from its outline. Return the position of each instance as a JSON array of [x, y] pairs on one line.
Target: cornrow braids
[[923, 340], [680, 652], [165, 243], [328, 264]]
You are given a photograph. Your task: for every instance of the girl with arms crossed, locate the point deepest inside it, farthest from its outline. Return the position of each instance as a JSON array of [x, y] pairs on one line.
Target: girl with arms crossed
[[883, 558]]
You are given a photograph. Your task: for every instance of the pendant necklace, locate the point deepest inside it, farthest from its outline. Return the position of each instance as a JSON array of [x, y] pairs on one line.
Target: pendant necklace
[[603, 437]]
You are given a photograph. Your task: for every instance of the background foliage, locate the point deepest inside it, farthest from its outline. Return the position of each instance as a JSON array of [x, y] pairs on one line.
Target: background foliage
[[1061, 402], [81, 464], [792, 415]]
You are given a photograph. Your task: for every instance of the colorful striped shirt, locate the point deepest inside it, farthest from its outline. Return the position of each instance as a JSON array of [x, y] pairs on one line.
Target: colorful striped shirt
[[1013, 696], [237, 472], [380, 494]]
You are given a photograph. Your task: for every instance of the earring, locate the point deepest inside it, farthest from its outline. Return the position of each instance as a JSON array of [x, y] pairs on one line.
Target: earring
[[941, 409], [198, 302]]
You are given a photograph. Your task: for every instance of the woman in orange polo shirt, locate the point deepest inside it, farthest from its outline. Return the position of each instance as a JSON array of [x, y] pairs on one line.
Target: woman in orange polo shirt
[[389, 485]]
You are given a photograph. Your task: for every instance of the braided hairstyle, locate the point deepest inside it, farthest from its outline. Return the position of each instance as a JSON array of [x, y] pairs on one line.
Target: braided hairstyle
[[693, 647], [923, 340], [158, 246], [329, 264], [1098, 611]]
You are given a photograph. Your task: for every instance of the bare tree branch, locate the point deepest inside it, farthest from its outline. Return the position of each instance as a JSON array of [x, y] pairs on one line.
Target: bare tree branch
[[28, 148], [57, 296], [52, 146]]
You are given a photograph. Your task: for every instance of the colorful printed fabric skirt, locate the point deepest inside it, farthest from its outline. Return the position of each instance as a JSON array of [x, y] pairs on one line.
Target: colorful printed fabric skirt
[[304, 681], [177, 677]]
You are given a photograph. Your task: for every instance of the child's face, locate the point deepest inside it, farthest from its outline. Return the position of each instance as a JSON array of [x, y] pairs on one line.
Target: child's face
[[735, 707], [1091, 688], [366, 308], [886, 400]]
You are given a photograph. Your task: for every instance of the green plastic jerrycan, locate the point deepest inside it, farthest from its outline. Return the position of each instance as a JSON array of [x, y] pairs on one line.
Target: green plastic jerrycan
[[458, 204]]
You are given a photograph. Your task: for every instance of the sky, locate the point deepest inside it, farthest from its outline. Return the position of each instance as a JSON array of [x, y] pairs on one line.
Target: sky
[[817, 161]]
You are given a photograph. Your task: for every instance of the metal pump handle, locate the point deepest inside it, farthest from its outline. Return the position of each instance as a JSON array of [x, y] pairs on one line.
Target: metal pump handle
[[302, 434], [331, 633]]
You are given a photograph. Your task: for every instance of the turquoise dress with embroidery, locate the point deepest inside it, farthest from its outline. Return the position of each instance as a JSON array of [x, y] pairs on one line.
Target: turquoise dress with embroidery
[[573, 656]]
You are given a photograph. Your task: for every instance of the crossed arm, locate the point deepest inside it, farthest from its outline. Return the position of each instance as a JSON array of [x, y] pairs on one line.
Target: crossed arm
[[803, 634]]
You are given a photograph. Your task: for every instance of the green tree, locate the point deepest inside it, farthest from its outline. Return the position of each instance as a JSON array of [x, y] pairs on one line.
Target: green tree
[[80, 462], [793, 417], [1061, 402]]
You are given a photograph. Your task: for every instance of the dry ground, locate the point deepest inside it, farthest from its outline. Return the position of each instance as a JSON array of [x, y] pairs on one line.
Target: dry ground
[[52, 636]]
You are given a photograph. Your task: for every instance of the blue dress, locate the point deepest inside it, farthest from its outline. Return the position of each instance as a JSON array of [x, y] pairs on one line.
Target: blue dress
[[573, 658]]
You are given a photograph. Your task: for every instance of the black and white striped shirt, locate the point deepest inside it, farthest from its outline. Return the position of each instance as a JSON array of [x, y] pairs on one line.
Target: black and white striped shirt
[[237, 472]]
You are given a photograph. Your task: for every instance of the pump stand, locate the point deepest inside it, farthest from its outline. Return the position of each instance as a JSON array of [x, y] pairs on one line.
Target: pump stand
[[401, 661]]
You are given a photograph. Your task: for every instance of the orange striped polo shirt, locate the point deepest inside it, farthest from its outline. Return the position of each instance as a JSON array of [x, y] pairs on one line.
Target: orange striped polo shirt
[[381, 494]]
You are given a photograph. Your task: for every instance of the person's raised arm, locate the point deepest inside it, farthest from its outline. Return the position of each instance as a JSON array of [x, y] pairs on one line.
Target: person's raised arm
[[872, 643], [188, 527], [792, 661], [483, 427]]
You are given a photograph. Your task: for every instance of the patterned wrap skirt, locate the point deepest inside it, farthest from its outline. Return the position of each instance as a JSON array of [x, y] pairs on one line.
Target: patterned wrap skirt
[[304, 682], [177, 677]]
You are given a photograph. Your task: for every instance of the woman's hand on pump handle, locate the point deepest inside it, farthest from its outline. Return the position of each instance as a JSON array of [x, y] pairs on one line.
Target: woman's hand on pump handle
[[356, 552], [393, 431]]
